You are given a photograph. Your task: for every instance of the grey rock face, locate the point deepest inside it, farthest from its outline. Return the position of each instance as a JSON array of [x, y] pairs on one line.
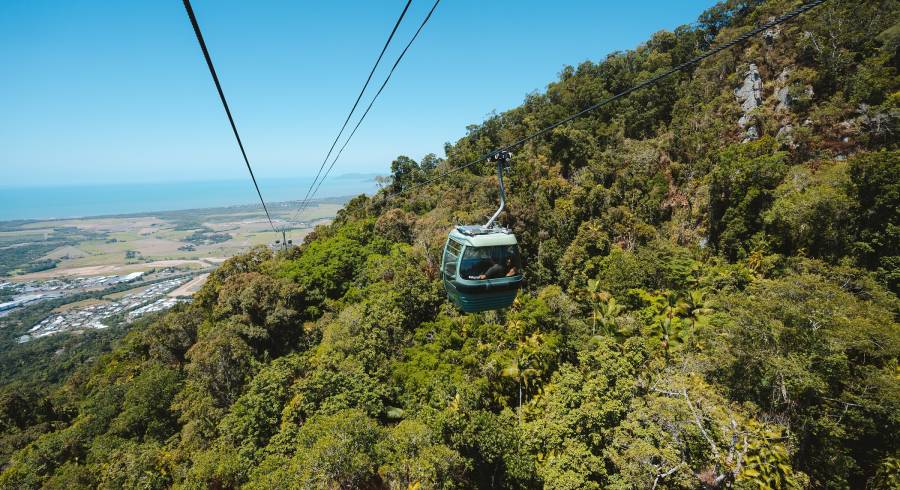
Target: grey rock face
[[770, 35], [784, 99], [782, 94], [783, 76], [785, 136], [879, 124], [749, 95], [751, 134]]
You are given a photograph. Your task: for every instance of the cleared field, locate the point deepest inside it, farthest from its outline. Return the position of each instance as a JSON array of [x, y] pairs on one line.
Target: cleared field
[[109, 269], [190, 287], [124, 244], [67, 251], [96, 224], [27, 233], [79, 304]]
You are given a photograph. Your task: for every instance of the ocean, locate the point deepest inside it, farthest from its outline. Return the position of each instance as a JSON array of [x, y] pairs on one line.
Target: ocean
[[99, 200]]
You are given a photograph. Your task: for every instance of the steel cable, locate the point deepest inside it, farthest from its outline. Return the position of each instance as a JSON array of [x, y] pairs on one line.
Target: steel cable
[[384, 84], [212, 71], [650, 81], [304, 202]]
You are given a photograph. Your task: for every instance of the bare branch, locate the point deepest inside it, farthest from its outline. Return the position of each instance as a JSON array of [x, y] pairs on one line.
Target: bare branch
[[712, 444], [697, 421], [740, 457], [667, 393], [842, 402], [667, 473]]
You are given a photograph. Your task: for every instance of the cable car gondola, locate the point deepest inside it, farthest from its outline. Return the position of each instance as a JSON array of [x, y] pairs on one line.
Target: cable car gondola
[[481, 266]]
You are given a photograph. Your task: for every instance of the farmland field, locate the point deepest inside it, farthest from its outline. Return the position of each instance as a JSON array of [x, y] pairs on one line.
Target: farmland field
[[190, 239]]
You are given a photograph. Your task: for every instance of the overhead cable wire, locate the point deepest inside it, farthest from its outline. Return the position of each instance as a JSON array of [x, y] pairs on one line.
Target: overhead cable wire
[[650, 81], [303, 203], [380, 89], [212, 71]]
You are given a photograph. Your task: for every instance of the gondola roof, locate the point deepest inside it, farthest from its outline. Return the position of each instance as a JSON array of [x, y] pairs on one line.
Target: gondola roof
[[469, 235]]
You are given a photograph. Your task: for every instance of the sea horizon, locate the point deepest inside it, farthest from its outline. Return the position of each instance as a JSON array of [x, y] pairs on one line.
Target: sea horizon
[[92, 200]]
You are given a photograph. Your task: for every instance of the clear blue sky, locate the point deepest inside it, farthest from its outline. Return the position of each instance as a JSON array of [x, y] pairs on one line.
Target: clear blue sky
[[117, 91]]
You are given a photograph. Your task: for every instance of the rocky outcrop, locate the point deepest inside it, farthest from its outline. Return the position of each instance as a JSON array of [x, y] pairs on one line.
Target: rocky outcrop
[[783, 92], [749, 95], [878, 124], [773, 33], [785, 136]]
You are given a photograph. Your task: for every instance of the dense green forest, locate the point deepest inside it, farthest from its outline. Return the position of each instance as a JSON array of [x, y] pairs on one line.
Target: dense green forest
[[712, 272]]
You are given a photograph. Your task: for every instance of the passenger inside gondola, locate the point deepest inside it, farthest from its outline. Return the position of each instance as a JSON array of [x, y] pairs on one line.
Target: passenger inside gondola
[[479, 263]]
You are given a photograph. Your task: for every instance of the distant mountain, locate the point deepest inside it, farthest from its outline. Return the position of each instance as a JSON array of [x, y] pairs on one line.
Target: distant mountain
[[357, 176]]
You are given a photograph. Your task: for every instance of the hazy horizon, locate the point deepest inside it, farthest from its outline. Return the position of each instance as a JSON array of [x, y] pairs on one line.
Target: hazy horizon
[[99, 91], [91, 200], [269, 179]]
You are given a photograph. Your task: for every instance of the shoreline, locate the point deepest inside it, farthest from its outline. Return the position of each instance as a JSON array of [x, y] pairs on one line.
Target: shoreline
[[16, 222]]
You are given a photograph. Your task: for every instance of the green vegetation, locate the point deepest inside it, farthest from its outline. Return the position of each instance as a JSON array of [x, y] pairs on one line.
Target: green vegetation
[[40, 265], [43, 363], [31, 246], [701, 312], [26, 257], [22, 252], [206, 236]]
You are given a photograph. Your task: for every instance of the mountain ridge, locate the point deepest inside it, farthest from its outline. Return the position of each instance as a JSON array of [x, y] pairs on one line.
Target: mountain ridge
[[712, 273]]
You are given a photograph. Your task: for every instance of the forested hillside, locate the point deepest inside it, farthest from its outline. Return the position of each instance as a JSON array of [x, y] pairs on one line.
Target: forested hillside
[[712, 271]]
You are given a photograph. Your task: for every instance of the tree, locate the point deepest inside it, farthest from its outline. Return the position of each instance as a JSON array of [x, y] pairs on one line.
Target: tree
[[811, 213], [414, 458], [525, 362], [145, 411], [873, 184], [807, 351], [333, 451], [404, 171], [696, 310], [604, 307], [741, 190]]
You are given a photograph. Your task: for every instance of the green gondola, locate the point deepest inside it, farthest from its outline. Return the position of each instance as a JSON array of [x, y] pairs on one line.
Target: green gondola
[[481, 266]]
